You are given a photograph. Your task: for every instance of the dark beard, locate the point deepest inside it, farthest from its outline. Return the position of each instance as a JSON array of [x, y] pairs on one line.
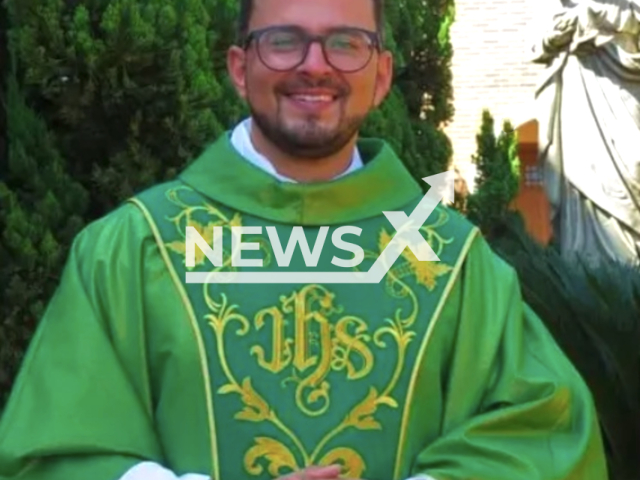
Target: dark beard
[[313, 143]]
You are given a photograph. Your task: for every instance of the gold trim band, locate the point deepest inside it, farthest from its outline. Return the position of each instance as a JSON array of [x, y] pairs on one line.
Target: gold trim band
[[196, 330]]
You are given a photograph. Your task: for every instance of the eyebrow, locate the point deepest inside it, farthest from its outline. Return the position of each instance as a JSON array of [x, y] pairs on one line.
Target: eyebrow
[[325, 30]]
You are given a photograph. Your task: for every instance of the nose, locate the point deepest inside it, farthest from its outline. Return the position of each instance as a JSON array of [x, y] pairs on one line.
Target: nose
[[315, 62]]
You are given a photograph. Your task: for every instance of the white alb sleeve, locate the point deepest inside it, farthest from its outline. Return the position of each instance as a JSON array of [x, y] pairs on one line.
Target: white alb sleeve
[[154, 471]]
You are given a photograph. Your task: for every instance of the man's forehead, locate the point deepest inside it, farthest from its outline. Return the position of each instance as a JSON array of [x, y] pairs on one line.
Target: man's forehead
[[314, 15]]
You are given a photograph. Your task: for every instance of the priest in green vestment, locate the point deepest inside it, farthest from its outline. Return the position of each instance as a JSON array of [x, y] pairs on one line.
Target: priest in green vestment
[[439, 371]]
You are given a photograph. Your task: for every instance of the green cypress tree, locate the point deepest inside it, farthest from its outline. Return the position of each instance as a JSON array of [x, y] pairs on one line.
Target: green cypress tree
[[103, 96], [4, 257], [498, 178], [130, 86], [424, 52], [41, 210], [4, 64]]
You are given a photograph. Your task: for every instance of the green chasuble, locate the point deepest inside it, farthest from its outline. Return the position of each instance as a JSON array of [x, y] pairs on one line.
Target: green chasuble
[[440, 369]]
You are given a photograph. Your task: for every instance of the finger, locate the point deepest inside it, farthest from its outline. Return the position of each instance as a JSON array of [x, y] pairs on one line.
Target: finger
[[322, 472]]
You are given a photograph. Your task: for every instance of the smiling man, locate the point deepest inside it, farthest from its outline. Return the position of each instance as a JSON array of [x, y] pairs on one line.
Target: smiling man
[[440, 371], [310, 85]]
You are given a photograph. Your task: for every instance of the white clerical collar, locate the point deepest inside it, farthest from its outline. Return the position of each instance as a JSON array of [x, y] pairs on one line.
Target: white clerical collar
[[241, 140]]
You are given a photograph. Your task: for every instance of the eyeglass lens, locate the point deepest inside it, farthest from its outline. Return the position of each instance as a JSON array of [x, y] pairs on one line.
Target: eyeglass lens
[[284, 49]]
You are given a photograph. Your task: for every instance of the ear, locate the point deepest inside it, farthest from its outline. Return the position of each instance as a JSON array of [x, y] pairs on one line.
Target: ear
[[237, 67], [384, 80]]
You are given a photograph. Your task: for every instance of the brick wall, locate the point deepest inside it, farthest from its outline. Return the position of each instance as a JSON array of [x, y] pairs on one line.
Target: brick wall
[[491, 40]]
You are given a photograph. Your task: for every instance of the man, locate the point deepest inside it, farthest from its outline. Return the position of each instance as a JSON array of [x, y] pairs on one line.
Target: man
[[438, 371]]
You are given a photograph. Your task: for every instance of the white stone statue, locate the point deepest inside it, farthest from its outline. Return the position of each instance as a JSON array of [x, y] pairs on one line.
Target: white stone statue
[[589, 120]]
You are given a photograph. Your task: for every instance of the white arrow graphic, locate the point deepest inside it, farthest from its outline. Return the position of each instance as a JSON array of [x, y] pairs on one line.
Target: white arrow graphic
[[407, 235]]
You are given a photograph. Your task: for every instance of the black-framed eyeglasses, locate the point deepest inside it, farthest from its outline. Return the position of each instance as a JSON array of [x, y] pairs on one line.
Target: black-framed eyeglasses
[[283, 48]]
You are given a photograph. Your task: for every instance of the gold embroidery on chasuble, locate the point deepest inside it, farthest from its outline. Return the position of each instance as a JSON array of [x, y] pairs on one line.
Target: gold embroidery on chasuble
[[311, 374]]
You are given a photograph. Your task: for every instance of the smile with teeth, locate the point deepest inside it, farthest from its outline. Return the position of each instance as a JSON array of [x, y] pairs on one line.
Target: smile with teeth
[[313, 98]]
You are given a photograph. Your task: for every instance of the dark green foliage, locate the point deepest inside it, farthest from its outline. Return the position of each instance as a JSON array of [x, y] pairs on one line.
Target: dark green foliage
[[104, 97], [128, 87], [4, 66], [498, 176], [110, 96], [421, 42], [5, 358], [594, 314], [41, 210], [422, 38]]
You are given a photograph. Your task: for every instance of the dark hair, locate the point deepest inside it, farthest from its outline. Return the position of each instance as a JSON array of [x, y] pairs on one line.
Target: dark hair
[[246, 9]]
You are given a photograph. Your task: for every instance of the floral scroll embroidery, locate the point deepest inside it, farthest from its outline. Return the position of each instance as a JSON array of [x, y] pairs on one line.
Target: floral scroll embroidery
[[210, 216]]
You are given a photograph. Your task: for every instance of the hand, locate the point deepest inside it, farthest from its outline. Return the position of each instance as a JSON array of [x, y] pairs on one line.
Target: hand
[[329, 472]]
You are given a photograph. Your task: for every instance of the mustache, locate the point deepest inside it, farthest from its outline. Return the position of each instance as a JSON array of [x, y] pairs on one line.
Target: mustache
[[300, 82]]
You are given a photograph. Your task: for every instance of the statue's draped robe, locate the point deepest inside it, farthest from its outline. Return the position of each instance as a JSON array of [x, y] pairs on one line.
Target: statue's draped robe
[[439, 369], [589, 119]]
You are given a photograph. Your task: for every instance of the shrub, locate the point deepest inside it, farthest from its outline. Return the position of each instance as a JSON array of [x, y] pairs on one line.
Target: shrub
[[498, 176]]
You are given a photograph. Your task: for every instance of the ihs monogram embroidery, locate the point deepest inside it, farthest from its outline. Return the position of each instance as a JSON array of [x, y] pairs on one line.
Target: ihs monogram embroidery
[[310, 340]]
